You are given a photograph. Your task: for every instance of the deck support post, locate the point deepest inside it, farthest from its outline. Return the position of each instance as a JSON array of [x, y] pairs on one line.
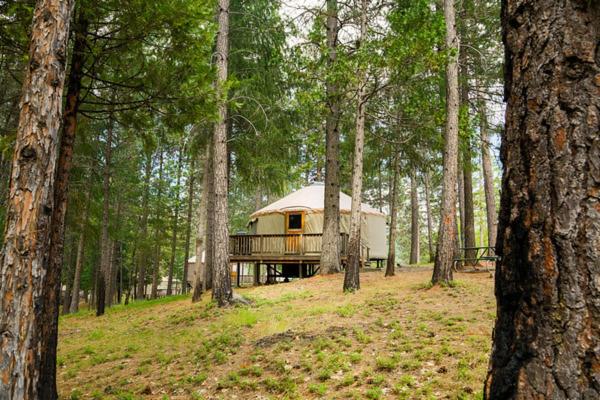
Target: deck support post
[[300, 267], [256, 274], [239, 270]]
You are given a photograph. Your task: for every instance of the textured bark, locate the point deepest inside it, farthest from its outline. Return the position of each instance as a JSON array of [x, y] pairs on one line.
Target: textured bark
[[393, 200], [80, 249], [414, 220], [201, 236], [29, 288], [330, 252], [175, 226], [442, 268], [115, 257], [488, 176], [460, 188], [157, 229], [143, 254], [103, 284], [352, 275], [188, 224], [221, 290], [547, 332], [427, 184], [68, 271]]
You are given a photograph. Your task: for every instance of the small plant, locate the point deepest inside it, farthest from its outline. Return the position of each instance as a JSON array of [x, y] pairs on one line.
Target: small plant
[[361, 336], [386, 363], [197, 379], [346, 311], [253, 370], [318, 388], [355, 357], [374, 393]]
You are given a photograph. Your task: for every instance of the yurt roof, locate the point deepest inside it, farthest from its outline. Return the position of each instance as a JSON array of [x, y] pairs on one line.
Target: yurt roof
[[310, 198]]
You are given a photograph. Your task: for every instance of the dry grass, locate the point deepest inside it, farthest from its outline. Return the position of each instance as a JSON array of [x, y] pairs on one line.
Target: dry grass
[[394, 339]]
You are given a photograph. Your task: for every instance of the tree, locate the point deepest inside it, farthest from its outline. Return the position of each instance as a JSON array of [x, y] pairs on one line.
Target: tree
[[352, 276], [393, 230], [28, 290], [175, 224], [442, 269], [80, 250], [330, 253], [414, 224], [546, 332], [427, 184], [488, 175], [222, 292]]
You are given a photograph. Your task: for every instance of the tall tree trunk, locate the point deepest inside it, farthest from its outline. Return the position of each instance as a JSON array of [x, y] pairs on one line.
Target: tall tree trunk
[[488, 175], [157, 228], [114, 258], [393, 201], [105, 244], [175, 226], [460, 188], [442, 269], [80, 249], [429, 217], [201, 236], [68, 278], [221, 291], [352, 275], [188, 224], [468, 213], [547, 332], [30, 288], [143, 254], [209, 264], [414, 221], [330, 252]]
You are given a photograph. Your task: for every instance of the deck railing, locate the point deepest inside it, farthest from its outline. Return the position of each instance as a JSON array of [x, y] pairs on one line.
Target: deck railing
[[282, 245]]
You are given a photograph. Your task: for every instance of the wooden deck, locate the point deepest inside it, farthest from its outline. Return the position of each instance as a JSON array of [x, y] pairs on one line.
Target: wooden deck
[[284, 249]]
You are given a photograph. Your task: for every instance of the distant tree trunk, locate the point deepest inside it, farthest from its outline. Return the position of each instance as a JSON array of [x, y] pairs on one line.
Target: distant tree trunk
[[393, 200], [68, 278], [157, 228], [175, 226], [460, 189], [467, 210], [221, 291], [143, 254], [352, 275], [442, 269], [29, 290], [488, 176], [414, 224], [330, 252], [429, 218], [210, 223], [114, 258], [469, 227], [188, 224], [547, 331], [80, 249], [105, 261], [201, 236]]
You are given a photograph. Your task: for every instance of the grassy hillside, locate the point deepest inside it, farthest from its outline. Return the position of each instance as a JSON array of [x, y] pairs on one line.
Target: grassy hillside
[[395, 339]]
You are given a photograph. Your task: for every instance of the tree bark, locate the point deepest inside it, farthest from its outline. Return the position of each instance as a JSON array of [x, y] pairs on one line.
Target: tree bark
[[188, 224], [414, 224], [69, 271], [29, 288], [460, 188], [330, 252], [221, 291], [175, 226], [143, 254], [429, 216], [352, 275], [80, 249], [547, 331], [103, 284], [393, 200], [210, 223], [442, 269], [488, 175], [157, 228], [201, 237], [114, 258]]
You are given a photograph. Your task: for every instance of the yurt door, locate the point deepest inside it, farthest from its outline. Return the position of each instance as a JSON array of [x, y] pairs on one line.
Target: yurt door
[[294, 227]]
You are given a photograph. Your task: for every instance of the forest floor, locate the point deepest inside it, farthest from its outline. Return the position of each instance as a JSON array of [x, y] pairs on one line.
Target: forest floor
[[396, 338]]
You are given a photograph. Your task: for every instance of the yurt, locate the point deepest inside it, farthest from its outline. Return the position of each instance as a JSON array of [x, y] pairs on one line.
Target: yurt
[[302, 212]]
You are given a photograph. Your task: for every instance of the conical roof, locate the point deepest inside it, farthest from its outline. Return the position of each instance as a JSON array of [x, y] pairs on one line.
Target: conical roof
[[310, 198]]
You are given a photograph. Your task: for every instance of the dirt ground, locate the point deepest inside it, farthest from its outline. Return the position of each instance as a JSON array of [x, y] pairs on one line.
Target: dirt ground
[[397, 338]]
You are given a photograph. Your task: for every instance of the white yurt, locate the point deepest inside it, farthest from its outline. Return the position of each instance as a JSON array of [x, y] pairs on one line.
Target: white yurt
[[302, 212]]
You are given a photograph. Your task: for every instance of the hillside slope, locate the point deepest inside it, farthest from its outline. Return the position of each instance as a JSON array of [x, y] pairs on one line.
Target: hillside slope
[[395, 339]]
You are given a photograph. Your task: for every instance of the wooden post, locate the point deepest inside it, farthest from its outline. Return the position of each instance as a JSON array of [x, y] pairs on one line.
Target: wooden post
[[256, 274], [238, 274], [300, 274]]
